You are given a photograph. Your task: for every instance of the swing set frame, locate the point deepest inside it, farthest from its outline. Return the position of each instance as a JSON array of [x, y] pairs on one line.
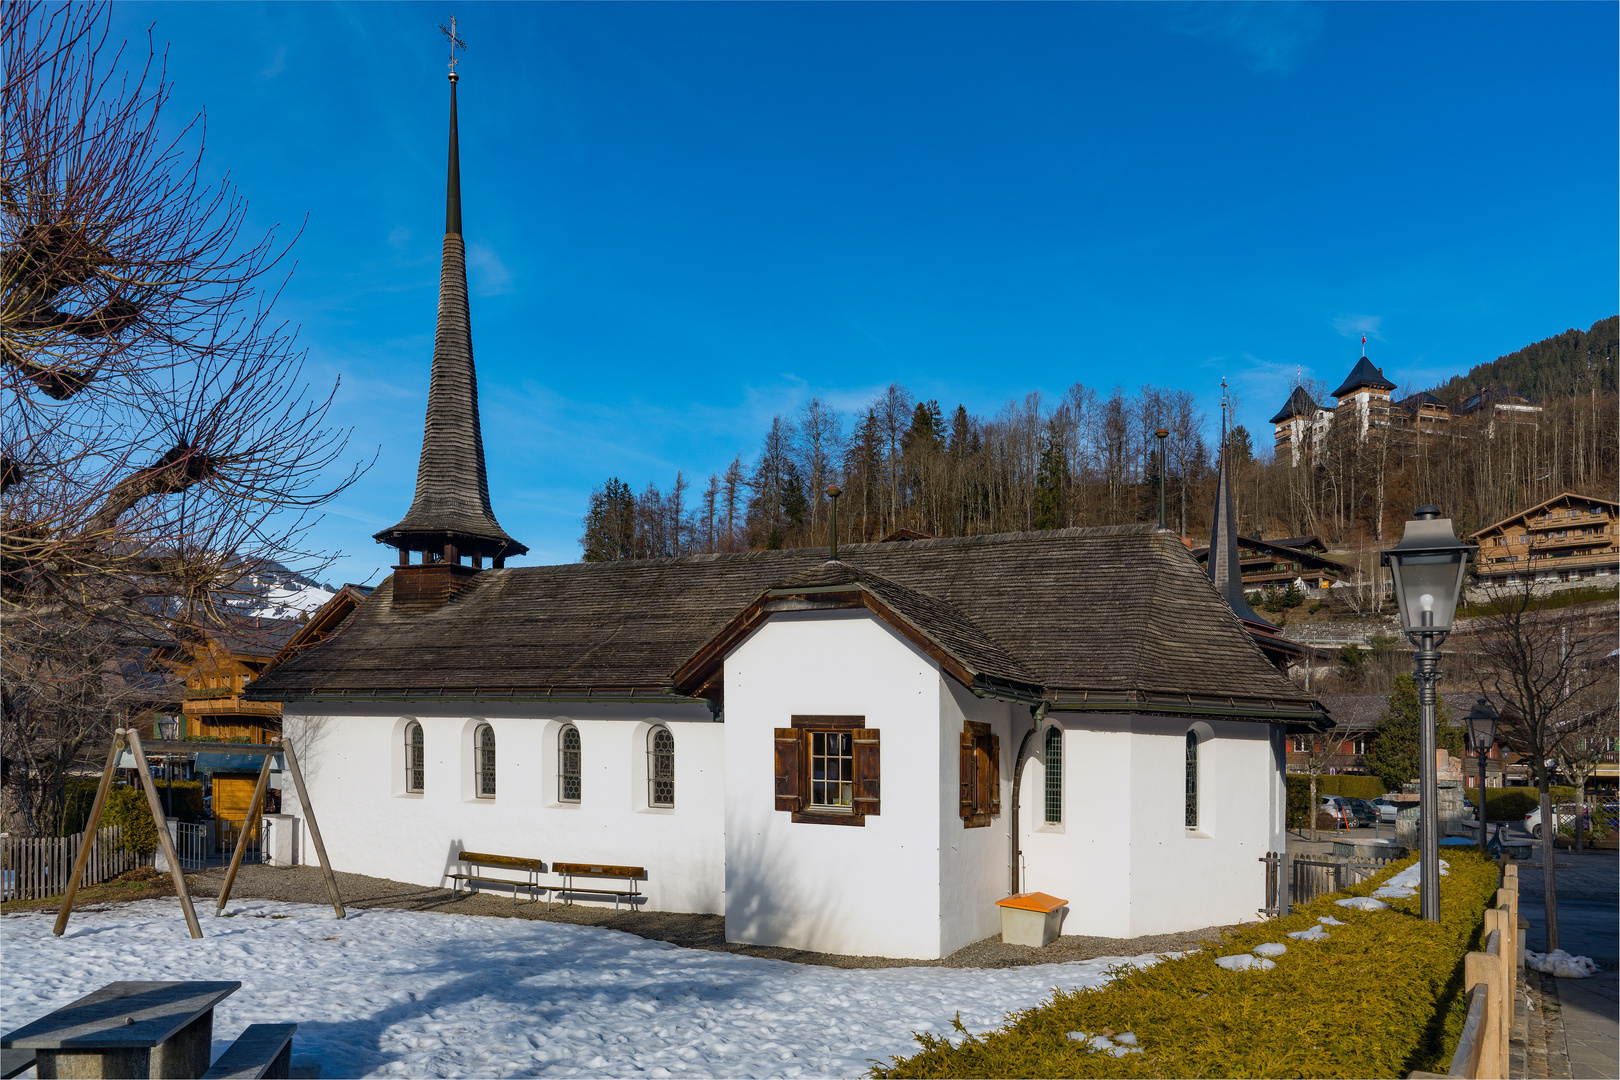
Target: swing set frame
[[131, 738]]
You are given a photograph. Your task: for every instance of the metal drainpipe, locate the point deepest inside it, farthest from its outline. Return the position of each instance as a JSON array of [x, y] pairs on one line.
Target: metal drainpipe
[[1037, 714]]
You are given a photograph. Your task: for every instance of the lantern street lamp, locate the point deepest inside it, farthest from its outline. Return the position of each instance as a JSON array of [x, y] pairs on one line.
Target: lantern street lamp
[[1482, 720], [1428, 566]]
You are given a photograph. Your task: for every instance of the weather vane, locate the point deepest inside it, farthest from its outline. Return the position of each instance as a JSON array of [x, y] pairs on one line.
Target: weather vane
[[455, 43]]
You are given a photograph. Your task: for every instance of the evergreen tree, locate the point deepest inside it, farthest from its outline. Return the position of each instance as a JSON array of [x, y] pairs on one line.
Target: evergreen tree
[[1394, 755], [610, 523], [1051, 479]]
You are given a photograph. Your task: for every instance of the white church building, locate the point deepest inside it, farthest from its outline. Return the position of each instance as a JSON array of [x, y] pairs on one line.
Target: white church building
[[855, 754]]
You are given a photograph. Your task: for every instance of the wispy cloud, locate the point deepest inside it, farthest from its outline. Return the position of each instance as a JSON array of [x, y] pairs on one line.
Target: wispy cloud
[[277, 65], [490, 275], [1353, 326], [1274, 36]]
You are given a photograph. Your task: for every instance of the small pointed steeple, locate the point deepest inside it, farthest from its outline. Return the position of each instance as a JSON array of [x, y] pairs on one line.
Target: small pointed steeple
[[1225, 569], [451, 516]]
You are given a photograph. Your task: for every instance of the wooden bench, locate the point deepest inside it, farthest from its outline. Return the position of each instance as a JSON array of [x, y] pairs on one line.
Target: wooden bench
[[568, 871], [531, 868], [263, 1050]]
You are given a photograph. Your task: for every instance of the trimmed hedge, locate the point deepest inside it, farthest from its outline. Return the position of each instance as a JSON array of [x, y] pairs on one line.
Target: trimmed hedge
[[1383, 996], [1352, 787], [81, 796], [1512, 803], [127, 806]]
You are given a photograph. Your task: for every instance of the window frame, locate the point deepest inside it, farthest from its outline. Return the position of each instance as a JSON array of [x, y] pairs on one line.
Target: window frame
[[1052, 774], [656, 774], [484, 746], [415, 758], [563, 753], [794, 777], [978, 775], [1191, 816]]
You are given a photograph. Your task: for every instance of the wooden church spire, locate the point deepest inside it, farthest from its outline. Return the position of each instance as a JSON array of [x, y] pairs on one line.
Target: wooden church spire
[[450, 515]]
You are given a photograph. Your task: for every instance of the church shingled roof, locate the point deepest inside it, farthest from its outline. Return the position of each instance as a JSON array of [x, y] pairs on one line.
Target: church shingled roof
[[452, 489], [1112, 614], [1299, 404], [1363, 374]]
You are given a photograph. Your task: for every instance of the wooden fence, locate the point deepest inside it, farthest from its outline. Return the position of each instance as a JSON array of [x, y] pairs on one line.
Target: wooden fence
[[35, 868], [1492, 978], [1299, 879]]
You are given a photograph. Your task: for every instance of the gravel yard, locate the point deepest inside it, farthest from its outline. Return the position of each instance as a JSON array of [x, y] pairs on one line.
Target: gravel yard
[[304, 885]]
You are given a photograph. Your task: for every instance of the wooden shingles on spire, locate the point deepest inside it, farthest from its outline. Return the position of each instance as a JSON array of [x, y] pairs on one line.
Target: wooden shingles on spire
[[450, 515]]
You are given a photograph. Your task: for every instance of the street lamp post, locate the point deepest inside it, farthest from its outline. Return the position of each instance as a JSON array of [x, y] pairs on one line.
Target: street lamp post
[[1482, 721], [1427, 567]]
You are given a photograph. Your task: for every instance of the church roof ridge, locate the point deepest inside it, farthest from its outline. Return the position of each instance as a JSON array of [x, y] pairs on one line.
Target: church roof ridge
[[451, 504]]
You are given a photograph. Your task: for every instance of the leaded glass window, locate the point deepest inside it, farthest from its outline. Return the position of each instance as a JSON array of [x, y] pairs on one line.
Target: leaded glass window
[[660, 767], [568, 764], [832, 770], [1192, 780], [413, 758], [1054, 775], [484, 738]]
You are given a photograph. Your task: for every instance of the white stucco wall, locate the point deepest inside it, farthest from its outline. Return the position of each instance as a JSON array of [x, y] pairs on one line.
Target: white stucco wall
[[975, 864], [1122, 855], [353, 762]]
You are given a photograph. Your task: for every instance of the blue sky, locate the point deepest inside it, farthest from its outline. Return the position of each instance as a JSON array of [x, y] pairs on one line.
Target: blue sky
[[683, 218]]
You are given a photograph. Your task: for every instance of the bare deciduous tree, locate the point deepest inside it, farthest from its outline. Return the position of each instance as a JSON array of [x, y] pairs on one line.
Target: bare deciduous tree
[[160, 447]]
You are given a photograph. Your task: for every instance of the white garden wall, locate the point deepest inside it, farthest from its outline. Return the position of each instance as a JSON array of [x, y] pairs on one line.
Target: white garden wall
[[354, 767]]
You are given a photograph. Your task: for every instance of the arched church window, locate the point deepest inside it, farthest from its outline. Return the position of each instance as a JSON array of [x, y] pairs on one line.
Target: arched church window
[[484, 741], [568, 764], [413, 758], [660, 767], [1192, 779], [1054, 775]]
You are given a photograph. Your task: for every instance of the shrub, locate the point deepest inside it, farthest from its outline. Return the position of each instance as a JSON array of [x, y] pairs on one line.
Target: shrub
[[127, 808], [78, 796], [1512, 803], [1399, 979], [1317, 605]]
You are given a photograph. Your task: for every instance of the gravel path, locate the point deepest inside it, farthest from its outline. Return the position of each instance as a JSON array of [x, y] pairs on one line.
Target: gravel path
[[304, 884]]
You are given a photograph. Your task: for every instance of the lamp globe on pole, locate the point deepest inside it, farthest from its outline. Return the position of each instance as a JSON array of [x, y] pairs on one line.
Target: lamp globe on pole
[[1482, 720], [1427, 567]]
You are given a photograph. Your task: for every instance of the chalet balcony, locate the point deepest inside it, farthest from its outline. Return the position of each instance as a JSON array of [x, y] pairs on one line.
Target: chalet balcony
[[1601, 538], [1555, 521], [227, 704]]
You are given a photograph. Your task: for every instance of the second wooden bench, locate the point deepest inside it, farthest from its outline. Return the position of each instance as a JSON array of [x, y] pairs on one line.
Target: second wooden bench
[[569, 871]]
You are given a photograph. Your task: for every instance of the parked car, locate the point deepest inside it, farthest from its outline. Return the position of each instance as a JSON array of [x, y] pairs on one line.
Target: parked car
[[1564, 812], [1364, 812], [1338, 809], [1386, 809]]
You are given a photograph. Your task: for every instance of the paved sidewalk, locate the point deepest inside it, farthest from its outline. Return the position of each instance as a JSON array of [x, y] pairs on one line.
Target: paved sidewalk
[[1588, 891]]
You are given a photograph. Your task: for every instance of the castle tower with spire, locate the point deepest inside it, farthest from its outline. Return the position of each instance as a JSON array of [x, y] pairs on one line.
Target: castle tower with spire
[[450, 518]]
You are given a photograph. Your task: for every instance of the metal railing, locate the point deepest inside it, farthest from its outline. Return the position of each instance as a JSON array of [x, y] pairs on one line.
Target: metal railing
[[227, 831], [191, 846], [1292, 880]]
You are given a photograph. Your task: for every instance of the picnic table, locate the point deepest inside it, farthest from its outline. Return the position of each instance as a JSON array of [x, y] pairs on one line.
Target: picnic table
[[156, 1029]]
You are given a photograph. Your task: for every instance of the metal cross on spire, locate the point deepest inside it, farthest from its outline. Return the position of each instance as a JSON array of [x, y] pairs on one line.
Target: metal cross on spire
[[455, 43]]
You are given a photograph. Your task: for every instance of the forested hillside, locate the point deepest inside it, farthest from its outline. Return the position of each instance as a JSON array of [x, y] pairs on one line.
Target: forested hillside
[[1090, 458], [1574, 362]]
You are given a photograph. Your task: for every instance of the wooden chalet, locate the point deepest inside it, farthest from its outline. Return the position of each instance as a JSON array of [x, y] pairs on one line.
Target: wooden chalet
[[216, 672], [1567, 538], [1274, 564]]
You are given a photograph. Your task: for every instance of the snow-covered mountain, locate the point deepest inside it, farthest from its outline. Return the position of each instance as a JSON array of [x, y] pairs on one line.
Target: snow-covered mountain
[[279, 593]]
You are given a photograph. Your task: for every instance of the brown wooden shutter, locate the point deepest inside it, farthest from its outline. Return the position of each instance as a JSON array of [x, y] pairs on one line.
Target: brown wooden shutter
[[788, 794], [967, 775], [868, 771], [995, 774]]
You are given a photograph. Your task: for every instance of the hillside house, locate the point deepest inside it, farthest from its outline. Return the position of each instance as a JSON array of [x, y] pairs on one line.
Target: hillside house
[[856, 751], [1277, 564], [1567, 539]]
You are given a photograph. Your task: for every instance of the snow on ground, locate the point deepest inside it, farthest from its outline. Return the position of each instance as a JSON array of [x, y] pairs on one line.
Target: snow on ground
[[1561, 964], [406, 993]]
